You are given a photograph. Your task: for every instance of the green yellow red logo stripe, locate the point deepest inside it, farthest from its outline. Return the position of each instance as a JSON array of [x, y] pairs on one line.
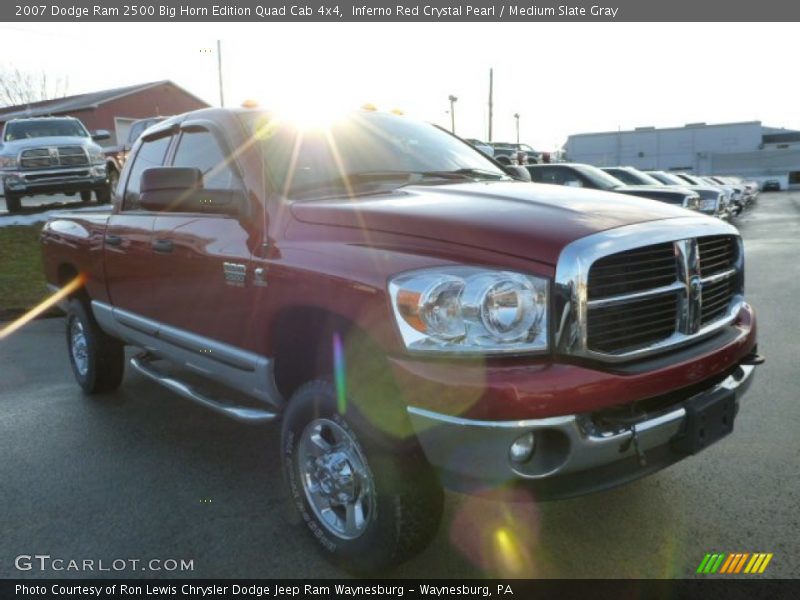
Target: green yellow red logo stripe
[[734, 563]]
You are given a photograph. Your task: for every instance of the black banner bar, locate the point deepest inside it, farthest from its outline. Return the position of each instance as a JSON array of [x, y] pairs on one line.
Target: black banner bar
[[403, 10], [258, 589]]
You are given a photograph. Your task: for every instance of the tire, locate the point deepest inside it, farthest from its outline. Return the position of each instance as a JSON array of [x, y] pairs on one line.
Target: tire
[[97, 359], [86, 195], [13, 203], [113, 179], [103, 195], [393, 489]]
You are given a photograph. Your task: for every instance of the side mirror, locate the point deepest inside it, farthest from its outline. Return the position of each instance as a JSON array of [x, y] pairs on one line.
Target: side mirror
[[517, 172], [180, 189], [101, 134], [573, 183]]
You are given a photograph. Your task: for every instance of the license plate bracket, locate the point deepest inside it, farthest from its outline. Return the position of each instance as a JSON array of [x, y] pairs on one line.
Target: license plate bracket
[[709, 418]]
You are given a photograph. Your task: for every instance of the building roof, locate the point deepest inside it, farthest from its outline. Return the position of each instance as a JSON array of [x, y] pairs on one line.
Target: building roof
[[651, 129], [81, 101]]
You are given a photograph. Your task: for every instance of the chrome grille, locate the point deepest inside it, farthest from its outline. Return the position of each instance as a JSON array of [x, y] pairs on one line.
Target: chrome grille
[[614, 328], [37, 158], [633, 271], [717, 254], [72, 156], [660, 294], [62, 156], [716, 299]]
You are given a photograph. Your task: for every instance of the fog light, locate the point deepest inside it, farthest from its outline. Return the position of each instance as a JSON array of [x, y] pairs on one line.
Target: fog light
[[522, 449]]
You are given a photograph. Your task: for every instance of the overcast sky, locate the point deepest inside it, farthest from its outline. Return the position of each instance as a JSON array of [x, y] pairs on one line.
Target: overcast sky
[[562, 78]]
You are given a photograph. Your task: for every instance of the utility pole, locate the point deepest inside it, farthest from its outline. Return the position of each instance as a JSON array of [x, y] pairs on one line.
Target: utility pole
[[491, 91], [219, 70], [453, 101], [516, 118]]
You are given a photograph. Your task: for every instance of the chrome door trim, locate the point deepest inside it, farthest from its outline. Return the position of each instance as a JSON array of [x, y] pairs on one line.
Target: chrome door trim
[[242, 370]]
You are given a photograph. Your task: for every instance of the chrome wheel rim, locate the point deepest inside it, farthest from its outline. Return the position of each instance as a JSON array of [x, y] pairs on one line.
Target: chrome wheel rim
[[79, 347], [336, 480]]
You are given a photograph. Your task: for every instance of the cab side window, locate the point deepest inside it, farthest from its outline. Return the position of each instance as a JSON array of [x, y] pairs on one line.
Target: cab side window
[[548, 175], [151, 154], [199, 149]]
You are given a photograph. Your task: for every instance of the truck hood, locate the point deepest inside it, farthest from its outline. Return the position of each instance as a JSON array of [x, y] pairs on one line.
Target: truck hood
[[42, 142], [630, 189], [532, 221]]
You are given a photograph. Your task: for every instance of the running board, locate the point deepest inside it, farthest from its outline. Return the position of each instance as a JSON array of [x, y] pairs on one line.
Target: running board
[[245, 414]]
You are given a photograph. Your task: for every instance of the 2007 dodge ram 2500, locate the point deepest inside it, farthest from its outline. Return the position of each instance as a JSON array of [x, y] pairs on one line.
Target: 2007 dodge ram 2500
[[416, 317]]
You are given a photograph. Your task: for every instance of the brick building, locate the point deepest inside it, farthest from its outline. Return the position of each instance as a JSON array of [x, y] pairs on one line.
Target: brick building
[[114, 109]]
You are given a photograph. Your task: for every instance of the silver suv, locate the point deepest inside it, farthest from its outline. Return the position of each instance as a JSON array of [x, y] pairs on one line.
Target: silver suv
[[51, 155]]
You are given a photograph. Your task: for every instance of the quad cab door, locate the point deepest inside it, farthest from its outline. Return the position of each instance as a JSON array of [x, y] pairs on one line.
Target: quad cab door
[[202, 261], [128, 254]]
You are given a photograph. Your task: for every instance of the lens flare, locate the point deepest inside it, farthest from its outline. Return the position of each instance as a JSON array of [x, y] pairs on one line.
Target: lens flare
[[45, 304], [339, 373], [499, 535]]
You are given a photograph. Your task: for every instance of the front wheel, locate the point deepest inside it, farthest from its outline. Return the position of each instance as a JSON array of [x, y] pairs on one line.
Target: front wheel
[[97, 359], [368, 506]]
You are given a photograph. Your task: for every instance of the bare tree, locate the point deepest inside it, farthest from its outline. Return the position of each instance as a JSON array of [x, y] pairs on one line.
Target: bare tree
[[22, 87]]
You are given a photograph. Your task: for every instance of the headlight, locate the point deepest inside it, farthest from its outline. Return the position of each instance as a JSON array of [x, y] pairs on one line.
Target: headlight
[[96, 157], [471, 310], [708, 204], [8, 162]]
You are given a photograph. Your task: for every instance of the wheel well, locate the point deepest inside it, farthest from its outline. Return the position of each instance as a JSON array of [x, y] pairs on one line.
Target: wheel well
[[303, 346]]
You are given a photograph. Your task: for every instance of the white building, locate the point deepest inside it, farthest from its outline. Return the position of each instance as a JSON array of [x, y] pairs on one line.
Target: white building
[[749, 149]]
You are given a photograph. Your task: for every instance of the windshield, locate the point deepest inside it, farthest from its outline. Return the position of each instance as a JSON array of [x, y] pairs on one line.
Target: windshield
[[18, 130], [668, 178], [600, 179], [642, 177], [625, 176], [364, 152], [692, 180]]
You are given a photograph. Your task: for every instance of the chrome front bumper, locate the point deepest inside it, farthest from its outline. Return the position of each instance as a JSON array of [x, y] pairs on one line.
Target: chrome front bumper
[[475, 454]]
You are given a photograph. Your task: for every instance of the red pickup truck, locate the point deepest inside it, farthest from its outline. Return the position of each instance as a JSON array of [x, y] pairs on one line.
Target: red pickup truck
[[415, 316]]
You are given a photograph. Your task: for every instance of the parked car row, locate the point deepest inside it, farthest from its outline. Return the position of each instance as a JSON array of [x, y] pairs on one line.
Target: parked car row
[[507, 153], [720, 196], [588, 176], [738, 194]]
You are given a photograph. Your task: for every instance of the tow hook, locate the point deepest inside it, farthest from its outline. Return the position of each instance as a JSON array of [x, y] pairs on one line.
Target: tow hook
[[634, 439], [754, 358]]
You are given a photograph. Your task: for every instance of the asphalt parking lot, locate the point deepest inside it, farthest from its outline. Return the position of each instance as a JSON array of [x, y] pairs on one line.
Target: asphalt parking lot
[[143, 474]]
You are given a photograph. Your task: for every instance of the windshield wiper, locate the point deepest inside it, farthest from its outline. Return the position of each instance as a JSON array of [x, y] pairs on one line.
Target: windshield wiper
[[357, 181], [348, 182], [468, 173]]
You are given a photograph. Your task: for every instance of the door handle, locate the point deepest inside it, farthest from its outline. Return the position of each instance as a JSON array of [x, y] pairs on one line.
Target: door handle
[[113, 240], [163, 246]]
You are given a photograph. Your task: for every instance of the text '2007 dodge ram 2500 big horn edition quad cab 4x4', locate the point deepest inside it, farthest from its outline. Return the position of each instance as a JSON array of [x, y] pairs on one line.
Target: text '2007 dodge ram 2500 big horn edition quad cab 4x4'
[[415, 316]]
